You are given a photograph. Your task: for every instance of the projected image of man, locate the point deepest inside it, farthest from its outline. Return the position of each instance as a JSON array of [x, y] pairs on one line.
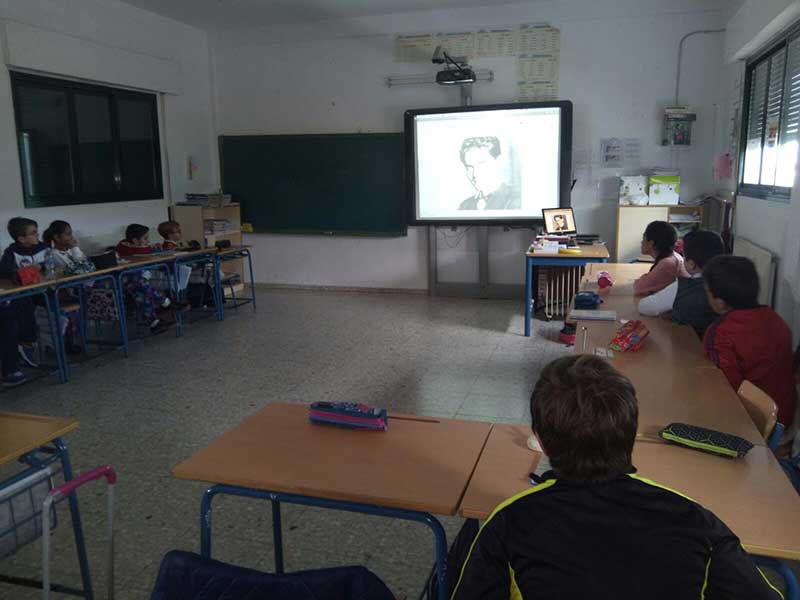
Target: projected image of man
[[560, 223], [486, 168]]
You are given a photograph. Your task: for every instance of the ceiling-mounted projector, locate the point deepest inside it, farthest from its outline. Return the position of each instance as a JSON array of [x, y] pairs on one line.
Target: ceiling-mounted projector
[[457, 71], [454, 76]]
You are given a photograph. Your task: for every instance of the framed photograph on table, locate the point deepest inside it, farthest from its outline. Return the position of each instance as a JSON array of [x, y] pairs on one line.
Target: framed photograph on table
[[559, 221]]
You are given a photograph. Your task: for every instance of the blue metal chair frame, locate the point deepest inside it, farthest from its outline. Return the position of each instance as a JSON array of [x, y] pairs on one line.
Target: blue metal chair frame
[[532, 264], [276, 498], [207, 258], [116, 286], [57, 452], [780, 567], [52, 321], [220, 293]]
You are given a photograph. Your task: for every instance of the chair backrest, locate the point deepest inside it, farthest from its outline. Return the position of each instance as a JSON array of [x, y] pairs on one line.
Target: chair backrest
[[761, 408]]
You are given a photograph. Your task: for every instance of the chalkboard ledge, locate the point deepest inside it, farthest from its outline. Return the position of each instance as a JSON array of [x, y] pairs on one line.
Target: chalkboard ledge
[[334, 233]]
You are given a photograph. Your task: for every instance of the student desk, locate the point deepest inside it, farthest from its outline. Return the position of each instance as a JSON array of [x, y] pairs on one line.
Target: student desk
[[534, 260], [37, 442], [752, 496], [418, 467], [134, 265], [674, 380], [79, 281], [225, 255]]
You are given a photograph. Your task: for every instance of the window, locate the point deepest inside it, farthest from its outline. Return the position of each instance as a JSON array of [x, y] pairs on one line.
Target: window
[[771, 121], [81, 144]]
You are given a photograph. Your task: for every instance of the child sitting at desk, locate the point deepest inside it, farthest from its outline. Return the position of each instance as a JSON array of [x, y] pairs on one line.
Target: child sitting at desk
[[136, 242], [659, 241], [198, 291], [147, 299], [748, 341], [686, 297], [66, 253], [593, 527], [171, 232], [25, 251]]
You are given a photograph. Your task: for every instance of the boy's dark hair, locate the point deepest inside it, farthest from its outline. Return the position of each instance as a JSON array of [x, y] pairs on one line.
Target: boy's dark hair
[[664, 238], [18, 225], [167, 227], [701, 245], [135, 231], [585, 414], [56, 228], [733, 279]]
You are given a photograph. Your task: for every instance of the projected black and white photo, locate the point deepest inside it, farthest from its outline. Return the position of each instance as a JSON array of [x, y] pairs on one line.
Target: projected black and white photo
[[487, 164], [488, 170], [559, 220]]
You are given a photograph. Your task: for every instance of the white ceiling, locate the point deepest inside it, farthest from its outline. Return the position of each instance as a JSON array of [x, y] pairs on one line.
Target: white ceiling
[[225, 14], [235, 14]]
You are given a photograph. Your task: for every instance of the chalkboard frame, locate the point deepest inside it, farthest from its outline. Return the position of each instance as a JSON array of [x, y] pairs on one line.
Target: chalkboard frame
[[401, 231]]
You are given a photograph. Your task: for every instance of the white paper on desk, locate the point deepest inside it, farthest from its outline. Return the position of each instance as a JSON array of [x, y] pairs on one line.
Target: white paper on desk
[[578, 314], [182, 274], [546, 248], [543, 466]]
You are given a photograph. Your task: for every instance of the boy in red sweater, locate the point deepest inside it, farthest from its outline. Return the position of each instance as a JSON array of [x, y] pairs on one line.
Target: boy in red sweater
[[148, 300], [748, 341], [136, 242]]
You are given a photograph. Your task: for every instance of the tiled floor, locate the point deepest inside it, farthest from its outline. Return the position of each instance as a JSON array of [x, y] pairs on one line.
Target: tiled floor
[[439, 357]]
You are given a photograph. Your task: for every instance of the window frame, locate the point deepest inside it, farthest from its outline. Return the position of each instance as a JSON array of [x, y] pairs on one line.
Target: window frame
[[113, 94]]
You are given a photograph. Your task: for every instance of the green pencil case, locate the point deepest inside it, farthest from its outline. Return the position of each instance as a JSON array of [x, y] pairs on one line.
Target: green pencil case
[[707, 440]]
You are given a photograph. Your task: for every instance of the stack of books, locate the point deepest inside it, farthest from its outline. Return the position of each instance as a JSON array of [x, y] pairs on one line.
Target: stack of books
[[212, 200]]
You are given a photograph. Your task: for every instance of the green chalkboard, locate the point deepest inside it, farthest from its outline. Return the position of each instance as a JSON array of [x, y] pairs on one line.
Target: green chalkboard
[[349, 184]]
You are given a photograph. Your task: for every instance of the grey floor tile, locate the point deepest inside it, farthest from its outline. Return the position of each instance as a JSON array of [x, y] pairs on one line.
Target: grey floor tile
[[431, 356]]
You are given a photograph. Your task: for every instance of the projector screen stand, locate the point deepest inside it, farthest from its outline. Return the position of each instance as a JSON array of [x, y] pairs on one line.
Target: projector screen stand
[[483, 288]]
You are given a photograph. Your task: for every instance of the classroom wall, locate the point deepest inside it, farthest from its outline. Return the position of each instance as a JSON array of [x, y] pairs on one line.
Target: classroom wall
[[111, 42], [755, 23], [617, 65], [772, 225]]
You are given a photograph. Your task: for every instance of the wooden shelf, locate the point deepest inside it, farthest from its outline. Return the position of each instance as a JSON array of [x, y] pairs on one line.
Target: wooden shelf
[[223, 233]]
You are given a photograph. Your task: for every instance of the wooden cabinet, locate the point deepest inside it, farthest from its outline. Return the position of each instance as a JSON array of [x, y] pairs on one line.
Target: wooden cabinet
[[632, 221], [197, 224]]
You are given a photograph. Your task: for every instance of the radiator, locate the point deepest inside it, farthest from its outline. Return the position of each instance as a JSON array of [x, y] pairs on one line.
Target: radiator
[[557, 286], [766, 266]]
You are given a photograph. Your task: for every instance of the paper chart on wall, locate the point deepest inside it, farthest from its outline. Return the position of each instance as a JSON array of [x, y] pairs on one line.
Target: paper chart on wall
[[537, 67], [538, 38], [496, 42], [414, 48], [457, 45], [533, 91]]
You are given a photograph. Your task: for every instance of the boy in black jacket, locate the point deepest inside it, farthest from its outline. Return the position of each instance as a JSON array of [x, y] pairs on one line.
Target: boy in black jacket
[[593, 528], [26, 250]]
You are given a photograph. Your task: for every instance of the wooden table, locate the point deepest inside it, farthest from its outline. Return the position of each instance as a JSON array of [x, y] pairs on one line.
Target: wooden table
[[674, 380], [419, 466], [23, 433], [534, 260], [752, 496], [21, 436]]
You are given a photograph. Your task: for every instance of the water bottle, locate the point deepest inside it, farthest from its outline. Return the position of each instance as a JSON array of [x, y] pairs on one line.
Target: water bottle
[[49, 264]]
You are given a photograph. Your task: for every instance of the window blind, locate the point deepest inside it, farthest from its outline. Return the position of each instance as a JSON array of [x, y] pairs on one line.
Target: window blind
[[790, 127]]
